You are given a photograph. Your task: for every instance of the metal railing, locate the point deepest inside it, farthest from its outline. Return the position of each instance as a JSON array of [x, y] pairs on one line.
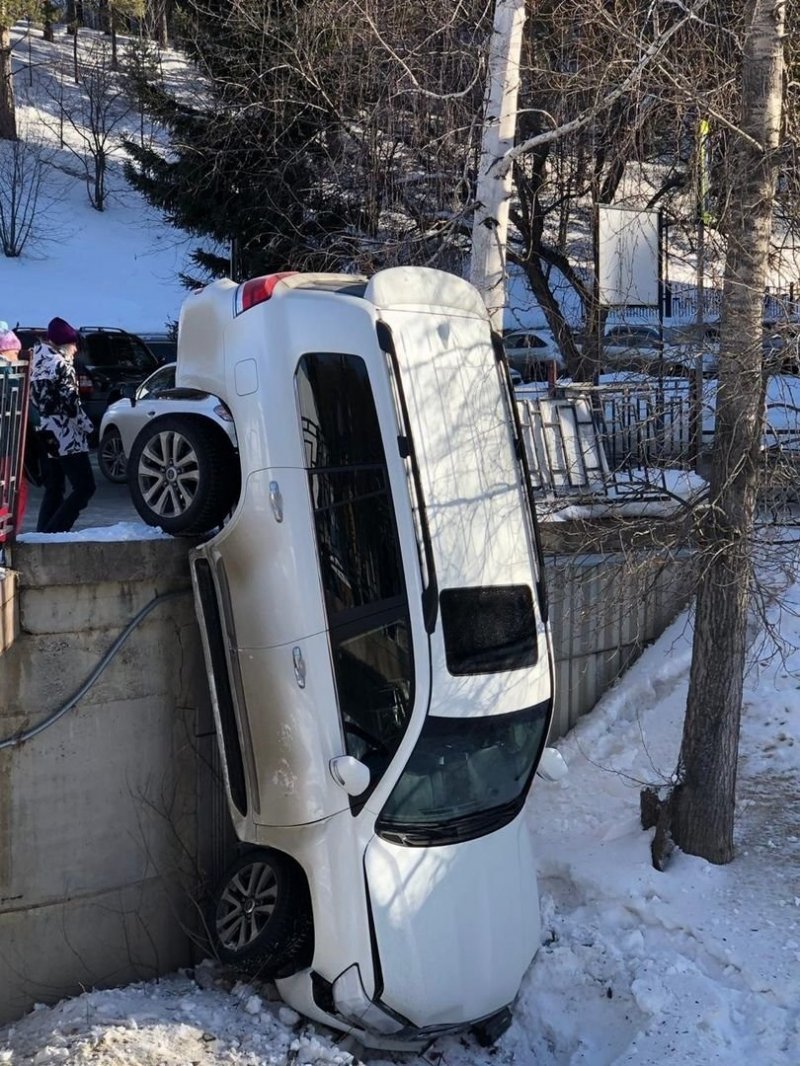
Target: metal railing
[[14, 384], [619, 441], [681, 303]]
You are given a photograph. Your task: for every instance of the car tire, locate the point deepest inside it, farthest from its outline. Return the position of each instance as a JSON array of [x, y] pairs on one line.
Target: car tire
[[111, 457], [182, 475], [260, 916]]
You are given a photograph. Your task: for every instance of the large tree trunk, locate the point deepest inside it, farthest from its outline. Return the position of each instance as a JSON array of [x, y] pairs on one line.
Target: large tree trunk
[[8, 115], [703, 802], [493, 190]]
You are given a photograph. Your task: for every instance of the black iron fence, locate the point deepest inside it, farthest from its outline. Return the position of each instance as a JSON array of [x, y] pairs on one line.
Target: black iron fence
[[13, 423], [621, 441]]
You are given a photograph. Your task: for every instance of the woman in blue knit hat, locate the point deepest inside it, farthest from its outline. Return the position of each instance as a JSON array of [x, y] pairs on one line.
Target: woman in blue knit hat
[[64, 427]]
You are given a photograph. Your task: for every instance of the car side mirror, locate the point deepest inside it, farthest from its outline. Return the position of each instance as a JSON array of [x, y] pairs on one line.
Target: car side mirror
[[551, 765], [350, 774]]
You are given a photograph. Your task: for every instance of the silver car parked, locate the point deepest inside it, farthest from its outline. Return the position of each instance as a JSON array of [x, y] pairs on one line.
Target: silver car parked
[[155, 397]]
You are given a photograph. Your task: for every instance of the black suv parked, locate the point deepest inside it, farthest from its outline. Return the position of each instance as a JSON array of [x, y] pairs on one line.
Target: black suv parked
[[108, 361]]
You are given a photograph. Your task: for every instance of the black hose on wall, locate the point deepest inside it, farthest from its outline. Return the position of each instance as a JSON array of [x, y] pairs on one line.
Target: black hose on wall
[[28, 734]]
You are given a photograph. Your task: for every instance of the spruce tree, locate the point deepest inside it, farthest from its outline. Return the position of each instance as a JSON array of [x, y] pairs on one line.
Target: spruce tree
[[247, 162]]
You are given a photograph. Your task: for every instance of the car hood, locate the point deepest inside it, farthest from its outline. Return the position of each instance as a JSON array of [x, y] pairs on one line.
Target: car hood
[[456, 926]]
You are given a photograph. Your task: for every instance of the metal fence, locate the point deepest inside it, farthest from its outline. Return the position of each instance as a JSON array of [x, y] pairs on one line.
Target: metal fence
[[680, 302], [589, 441], [13, 419]]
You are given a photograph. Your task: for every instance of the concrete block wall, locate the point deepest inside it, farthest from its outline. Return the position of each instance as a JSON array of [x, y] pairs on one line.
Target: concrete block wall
[[113, 820], [614, 586], [98, 813]]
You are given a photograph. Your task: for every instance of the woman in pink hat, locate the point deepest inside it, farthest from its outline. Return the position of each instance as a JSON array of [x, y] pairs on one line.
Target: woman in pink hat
[[64, 427]]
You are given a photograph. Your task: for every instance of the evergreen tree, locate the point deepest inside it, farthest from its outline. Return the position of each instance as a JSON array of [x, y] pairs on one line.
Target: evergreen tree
[[248, 160], [317, 141]]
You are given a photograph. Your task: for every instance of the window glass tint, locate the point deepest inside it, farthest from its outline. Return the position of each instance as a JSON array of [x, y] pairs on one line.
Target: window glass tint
[[489, 630], [120, 350], [157, 383], [340, 423], [359, 555], [356, 538], [373, 680], [466, 777]]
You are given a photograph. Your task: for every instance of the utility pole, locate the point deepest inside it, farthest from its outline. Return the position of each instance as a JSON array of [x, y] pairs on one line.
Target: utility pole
[[494, 184]]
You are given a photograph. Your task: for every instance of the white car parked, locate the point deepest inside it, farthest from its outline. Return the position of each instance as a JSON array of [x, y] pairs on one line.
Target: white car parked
[[531, 355], [156, 397], [373, 619]]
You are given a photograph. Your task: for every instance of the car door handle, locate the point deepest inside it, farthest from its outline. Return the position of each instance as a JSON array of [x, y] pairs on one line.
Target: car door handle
[[299, 667]]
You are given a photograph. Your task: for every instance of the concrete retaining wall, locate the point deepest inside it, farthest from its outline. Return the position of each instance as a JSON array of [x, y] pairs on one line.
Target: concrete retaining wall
[[98, 814], [112, 820]]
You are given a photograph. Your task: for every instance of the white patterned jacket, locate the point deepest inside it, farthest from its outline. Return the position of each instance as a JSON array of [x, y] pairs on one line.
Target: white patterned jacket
[[54, 393]]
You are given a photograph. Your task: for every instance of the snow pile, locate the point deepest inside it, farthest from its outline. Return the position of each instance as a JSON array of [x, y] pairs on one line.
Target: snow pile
[[117, 531], [179, 1020]]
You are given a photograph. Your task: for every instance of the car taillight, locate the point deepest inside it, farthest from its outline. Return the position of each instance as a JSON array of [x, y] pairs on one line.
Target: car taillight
[[85, 386], [257, 290]]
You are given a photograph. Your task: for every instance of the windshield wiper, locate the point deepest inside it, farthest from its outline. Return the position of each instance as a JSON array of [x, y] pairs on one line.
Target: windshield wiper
[[454, 830]]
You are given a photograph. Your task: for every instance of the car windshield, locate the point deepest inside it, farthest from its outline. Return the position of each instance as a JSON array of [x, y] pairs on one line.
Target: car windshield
[[466, 777], [158, 382]]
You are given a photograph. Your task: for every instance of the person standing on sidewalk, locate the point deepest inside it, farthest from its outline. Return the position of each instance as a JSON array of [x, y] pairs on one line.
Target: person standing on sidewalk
[[64, 428]]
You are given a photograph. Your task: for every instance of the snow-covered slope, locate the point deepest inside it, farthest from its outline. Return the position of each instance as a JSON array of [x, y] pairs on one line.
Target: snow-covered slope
[[118, 267]]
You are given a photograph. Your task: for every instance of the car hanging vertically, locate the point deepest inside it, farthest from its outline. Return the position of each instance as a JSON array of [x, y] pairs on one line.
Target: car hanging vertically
[[374, 624]]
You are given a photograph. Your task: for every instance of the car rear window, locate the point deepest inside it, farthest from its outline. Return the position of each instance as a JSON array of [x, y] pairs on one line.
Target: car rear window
[[107, 350], [489, 629]]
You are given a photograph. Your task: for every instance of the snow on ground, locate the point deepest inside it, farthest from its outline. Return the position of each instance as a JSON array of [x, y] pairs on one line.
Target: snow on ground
[[697, 964]]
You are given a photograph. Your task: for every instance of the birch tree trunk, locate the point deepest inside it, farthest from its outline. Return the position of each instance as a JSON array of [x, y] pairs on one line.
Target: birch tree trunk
[[8, 116], [703, 802], [494, 185]]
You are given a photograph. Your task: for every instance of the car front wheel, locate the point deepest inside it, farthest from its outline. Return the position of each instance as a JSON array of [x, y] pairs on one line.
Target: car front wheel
[[260, 915], [111, 457], [180, 474]]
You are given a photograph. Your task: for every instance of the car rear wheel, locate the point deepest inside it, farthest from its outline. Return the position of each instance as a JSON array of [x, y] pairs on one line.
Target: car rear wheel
[[182, 473], [111, 457], [260, 918]]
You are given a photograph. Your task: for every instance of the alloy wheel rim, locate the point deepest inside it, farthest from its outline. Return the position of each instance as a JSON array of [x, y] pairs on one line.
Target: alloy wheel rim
[[246, 906], [114, 456], [168, 473]]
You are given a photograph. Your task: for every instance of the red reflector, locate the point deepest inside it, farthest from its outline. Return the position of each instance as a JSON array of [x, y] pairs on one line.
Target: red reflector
[[257, 290], [85, 386]]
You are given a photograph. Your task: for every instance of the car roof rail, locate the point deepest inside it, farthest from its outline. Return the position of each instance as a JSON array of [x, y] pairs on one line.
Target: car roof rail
[[103, 329]]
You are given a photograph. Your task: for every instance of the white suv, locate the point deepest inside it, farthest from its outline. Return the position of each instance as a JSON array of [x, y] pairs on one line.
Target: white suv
[[374, 626]]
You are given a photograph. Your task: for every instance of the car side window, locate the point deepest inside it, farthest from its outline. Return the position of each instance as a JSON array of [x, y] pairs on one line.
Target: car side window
[[359, 554], [108, 349], [129, 352]]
